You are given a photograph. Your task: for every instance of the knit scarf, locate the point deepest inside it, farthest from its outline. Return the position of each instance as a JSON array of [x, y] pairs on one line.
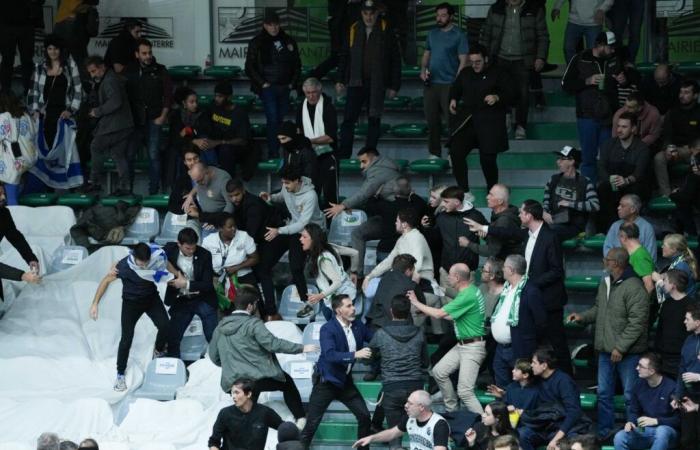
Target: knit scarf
[[157, 268], [515, 306]]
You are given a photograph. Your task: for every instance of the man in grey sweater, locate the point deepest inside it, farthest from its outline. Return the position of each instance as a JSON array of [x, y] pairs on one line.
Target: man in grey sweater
[[209, 197], [114, 127]]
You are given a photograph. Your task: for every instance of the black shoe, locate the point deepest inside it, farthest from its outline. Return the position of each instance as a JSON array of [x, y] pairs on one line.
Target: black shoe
[[306, 311]]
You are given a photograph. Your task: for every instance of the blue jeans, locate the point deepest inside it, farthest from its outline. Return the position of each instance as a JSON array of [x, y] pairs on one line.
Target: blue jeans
[[181, 315], [607, 372], [626, 13], [148, 135], [660, 437], [572, 35], [275, 101], [12, 194], [503, 365], [592, 134]]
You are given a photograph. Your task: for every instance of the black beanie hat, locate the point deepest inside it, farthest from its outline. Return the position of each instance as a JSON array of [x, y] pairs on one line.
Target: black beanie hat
[[223, 88], [287, 129]]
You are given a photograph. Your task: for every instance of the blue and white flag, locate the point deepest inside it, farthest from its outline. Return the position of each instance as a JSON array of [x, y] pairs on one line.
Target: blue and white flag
[[157, 268], [58, 167]]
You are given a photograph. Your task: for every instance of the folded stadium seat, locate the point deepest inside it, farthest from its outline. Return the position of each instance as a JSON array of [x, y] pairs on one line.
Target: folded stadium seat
[[430, 167], [402, 163], [410, 130], [130, 200], [223, 71], [362, 128], [77, 200], [552, 131], [619, 402], [312, 336], [594, 242], [661, 204], [258, 129], [588, 401], [369, 389], [290, 303], [484, 397], [157, 201], [40, 232], [243, 100], [184, 72], [582, 283], [162, 379], [38, 199], [343, 225], [205, 99], [269, 167], [410, 71], [144, 229], [398, 103], [570, 243], [66, 257], [172, 224], [193, 345], [350, 166]]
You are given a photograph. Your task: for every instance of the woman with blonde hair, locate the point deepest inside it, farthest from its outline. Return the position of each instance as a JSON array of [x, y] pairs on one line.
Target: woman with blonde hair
[[675, 248]]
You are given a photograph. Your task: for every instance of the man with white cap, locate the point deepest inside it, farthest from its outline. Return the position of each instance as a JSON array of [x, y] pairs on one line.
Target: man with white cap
[[594, 76], [569, 197]]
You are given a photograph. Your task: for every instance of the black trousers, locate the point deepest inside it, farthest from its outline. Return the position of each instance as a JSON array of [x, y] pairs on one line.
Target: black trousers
[[322, 395], [520, 76], [12, 38], [556, 337], [357, 97], [690, 431], [270, 254], [488, 160], [292, 398], [131, 313], [328, 174]]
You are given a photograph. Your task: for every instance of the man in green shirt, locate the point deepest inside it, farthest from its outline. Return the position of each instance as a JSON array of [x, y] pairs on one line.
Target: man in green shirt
[[640, 259], [466, 311]]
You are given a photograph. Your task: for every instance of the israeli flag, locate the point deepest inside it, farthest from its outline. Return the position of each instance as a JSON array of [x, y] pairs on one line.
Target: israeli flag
[[157, 268], [58, 167]]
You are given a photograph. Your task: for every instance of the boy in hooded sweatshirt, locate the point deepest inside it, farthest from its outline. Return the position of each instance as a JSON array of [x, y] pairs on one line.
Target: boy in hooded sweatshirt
[[300, 199]]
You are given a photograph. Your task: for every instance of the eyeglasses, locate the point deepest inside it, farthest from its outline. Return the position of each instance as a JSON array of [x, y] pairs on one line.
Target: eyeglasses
[[639, 366]]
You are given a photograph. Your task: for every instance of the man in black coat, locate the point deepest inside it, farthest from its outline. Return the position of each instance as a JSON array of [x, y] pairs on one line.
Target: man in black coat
[[198, 297], [120, 51], [545, 269], [486, 94]]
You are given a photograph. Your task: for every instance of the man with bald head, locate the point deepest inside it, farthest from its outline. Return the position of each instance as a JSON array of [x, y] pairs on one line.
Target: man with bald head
[[210, 196], [466, 311], [661, 88], [426, 429]]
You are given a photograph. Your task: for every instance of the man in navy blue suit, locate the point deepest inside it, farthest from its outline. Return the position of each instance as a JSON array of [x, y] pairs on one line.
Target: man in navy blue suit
[[342, 343]]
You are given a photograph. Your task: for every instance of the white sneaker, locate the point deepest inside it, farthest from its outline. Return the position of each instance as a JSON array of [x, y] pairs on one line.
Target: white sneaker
[[120, 383], [520, 133], [301, 423]]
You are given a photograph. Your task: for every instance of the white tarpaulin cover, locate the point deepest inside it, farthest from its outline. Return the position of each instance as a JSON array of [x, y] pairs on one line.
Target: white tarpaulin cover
[[57, 369]]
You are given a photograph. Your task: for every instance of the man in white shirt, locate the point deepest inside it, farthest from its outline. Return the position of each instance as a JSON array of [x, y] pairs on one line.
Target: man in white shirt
[[586, 18]]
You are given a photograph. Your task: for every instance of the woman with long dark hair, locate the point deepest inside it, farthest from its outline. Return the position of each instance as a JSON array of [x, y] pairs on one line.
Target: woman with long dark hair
[[56, 91], [495, 422], [326, 267]]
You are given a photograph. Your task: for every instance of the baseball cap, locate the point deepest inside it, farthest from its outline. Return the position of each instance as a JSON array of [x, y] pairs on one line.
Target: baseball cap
[[369, 5], [605, 38], [568, 151]]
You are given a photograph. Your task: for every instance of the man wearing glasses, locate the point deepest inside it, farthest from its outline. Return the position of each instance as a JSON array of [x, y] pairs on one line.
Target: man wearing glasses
[[318, 122], [569, 197]]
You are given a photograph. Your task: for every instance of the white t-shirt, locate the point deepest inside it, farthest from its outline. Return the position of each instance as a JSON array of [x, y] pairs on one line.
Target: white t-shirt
[[499, 327], [236, 252]]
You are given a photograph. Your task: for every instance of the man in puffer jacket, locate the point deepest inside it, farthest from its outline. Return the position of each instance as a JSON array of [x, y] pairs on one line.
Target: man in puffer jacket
[[244, 348], [403, 354]]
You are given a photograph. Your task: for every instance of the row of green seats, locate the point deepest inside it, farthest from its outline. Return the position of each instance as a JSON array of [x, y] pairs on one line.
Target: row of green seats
[[80, 201]]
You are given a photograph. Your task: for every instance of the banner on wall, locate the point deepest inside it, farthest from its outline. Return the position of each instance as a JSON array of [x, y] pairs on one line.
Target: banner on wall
[[673, 8]]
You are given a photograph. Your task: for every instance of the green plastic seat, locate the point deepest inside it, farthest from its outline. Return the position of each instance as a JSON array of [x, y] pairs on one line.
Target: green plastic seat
[[402, 163], [570, 243], [588, 401], [222, 71], [661, 204], [158, 201], [130, 200], [243, 100], [410, 71], [410, 130], [646, 67], [691, 67], [269, 165], [594, 242], [340, 102], [484, 397], [184, 72], [582, 283], [619, 402], [336, 431], [552, 131], [76, 200], [429, 166], [38, 199], [258, 129], [432, 348], [350, 166], [400, 102], [369, 389], [580, 363], [361, 129], [205, 99]]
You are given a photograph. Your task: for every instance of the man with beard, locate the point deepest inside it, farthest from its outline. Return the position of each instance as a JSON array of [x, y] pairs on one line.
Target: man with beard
[[120, 51]]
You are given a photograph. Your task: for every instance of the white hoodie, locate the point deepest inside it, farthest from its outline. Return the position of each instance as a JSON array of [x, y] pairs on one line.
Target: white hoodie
[[582, 12], [302, 206]]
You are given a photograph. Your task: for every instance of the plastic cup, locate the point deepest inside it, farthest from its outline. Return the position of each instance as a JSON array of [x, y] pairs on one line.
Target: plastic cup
[[612, 183], [514, 418]]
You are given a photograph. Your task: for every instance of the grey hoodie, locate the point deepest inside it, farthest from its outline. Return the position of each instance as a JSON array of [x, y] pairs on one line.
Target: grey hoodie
[[380, 179], [243, 347], [302, 206], [403, 352]]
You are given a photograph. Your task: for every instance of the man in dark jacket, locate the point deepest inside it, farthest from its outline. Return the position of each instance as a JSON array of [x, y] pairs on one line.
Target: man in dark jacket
[[114, 127], [623, 166], [661, 88], [183, 184], [150, 94], [197, 297], [517, 321], [297, 152], [594, 76], [17, 23], [273, 66], [402, 350], [515, 34], [120, 51], [370, 64], [688, 195], [687, 390], [486, 93]]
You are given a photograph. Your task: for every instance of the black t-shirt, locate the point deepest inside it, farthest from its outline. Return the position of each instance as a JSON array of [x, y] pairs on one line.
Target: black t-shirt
[[135, 288], [441, 431], [241, 430], [230, 123]]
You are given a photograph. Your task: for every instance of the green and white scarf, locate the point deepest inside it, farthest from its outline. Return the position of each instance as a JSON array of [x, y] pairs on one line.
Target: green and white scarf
[[515, 306]]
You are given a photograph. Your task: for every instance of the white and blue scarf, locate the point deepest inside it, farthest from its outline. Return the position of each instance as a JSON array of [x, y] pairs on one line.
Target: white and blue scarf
[[157, 268]]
